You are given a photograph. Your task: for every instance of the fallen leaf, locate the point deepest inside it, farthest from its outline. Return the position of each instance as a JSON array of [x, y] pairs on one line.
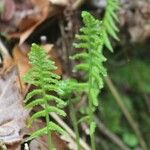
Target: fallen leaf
[[9, 8], [21, 60], [26, 16], [31, 20], [12, 113]]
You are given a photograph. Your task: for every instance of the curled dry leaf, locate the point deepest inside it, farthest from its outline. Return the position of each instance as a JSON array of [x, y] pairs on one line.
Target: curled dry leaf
[[31, 19], [21, 60], [12, 113], [25, 17]]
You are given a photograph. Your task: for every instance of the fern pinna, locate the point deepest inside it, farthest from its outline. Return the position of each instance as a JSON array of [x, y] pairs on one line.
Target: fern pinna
[[93, 36], [41, 75], [109, 20]]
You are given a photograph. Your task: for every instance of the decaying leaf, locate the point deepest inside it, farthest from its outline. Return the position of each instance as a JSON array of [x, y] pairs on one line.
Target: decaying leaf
[[20, 18], [26, 16], [21, 61], [31, 19], [12, 113]]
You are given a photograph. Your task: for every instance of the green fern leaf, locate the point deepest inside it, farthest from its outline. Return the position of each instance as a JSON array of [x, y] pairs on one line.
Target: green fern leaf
[[92, 38], [51, 127], [92, 127], [41, 75], [34, 103], [36, 92]]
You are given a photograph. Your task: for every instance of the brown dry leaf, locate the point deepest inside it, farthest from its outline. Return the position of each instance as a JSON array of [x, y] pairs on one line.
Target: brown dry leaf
[[32, 19], [9, 8], [26, 16], [21, 61], [20, 18], [12, 113], [8, 62]]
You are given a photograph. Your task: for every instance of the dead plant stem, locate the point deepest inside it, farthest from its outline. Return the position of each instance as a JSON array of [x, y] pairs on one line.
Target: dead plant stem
[[128, 116]]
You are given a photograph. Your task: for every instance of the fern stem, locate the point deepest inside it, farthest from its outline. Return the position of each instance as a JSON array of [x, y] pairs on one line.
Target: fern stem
[[91, 120], [92, 138], [75, 125], [49, 138]]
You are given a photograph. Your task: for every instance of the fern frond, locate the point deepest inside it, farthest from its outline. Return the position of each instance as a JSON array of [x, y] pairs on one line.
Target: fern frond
[[51, 127], [91, 41], [36, 92], [92, 38], [41, 75], [82, 55], [59, 101], [109, 27], [34, 103], [43, 113]]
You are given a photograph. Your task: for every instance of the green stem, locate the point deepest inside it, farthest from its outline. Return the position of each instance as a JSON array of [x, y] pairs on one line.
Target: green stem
[[91, 120], [90, 104], [48, 131], [49, 140], [75, 125]]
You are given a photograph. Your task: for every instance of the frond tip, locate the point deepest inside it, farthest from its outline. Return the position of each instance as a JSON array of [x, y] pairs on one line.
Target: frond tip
[[109, 22]]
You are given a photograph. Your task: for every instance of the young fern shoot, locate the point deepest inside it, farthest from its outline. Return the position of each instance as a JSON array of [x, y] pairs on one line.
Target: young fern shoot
[[92, 63], [92, 38], [41, 75]]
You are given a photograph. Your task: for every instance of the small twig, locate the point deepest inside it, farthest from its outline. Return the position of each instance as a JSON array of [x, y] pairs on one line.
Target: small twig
[[65, 47], [128, 116], [114, 138], [77, 4]]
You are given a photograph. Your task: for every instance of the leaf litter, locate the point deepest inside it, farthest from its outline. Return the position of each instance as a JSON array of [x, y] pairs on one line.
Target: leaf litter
[[12, 114]]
